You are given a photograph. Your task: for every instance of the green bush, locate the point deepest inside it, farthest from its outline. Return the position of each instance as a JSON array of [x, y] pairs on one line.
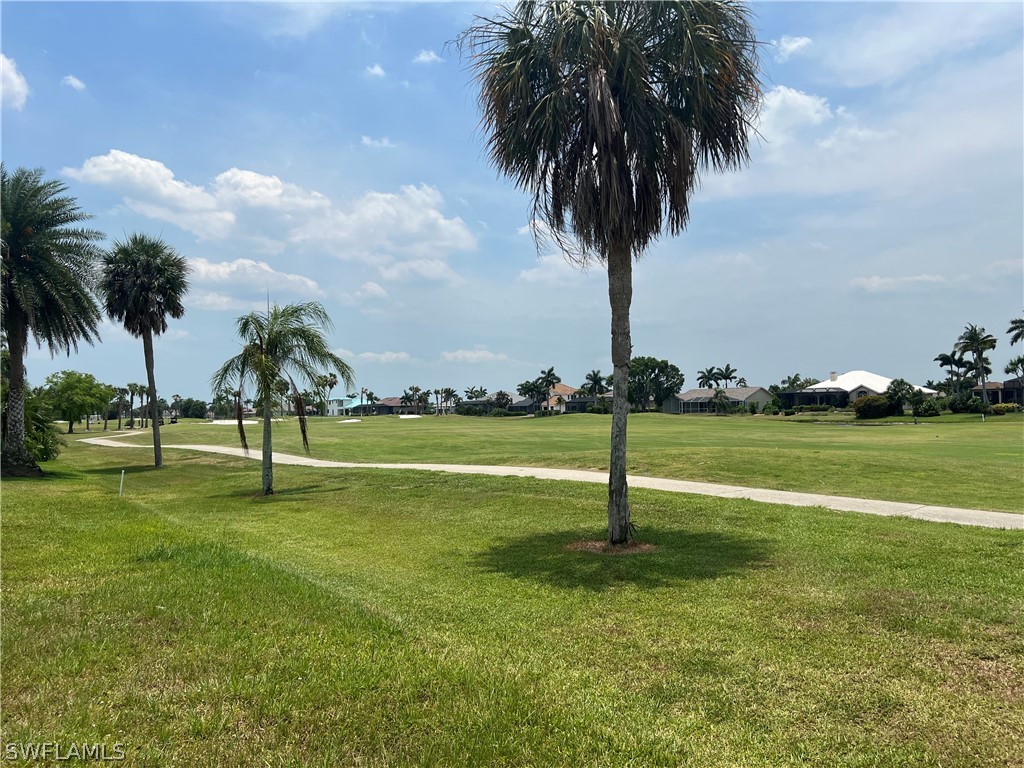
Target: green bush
[[752, 407], [1001, 409], [965, 402], [548, 413], [770, 409], [789, 412], [597, 409], [926, 407], [872, 407], [470, 410], [812, 408], [499, 412]]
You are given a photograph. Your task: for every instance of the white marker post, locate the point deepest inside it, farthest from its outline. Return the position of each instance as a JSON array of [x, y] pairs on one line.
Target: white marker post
[[120, 490]]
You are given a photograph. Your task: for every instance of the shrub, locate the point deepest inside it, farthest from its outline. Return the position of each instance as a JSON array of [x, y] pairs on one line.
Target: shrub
[[469, 410], [872, 407], [812, 408], [1004, 408], [770, 409], [967, 403], [548, 413], [499, 412], [789, 412], [596, 409], [926, 407], [752, 407]]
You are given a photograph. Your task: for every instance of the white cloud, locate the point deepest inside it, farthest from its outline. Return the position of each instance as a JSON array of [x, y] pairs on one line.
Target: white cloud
[[877, 284], [13, 86], [892, 41], [554, 268], [218, 301], [255, 274], [786, 46], [235, 186], [786, 111], [385, 357], [371, 291], [428, 269], [376, 228], [73, 82], [382, 143], [738, 259], [479, 354], [427, 57], [172, 200], [376, 71]]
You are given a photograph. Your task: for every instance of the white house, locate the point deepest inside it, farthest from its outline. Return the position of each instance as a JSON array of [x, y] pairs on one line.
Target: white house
[[849, 386]]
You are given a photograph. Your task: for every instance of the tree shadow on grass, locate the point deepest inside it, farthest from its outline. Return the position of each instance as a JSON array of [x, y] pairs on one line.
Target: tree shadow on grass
[[680, 556]]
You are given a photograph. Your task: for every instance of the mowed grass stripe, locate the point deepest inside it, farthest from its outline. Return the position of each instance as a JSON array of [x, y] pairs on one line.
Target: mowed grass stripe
[[405, 618]]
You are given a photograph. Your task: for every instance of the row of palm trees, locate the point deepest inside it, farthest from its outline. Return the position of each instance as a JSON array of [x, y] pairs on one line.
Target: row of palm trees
[[58, 281], [968, 365], [712, 377]]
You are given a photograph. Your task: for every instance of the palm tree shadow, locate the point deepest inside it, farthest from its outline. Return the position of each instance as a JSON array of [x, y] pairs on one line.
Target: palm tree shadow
[[680, 556]]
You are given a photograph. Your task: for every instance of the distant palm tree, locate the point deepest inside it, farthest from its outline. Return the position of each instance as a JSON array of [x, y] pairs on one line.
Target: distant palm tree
[[547, 380], [407, 398], [1016, 330], [143, 281], [708, 378], [793, 382], [1015, 367], [330, 381], [281, 343], [741, 382], [47, 272], [976, 341], [414, 392], [606, 113], [122, 393], [594, 385], [726, 374]]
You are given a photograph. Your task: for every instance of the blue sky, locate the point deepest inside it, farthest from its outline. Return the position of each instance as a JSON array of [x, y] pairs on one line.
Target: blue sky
[[332, 152]]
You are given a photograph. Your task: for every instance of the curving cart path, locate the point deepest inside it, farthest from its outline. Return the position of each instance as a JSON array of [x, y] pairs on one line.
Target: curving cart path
[[976, 517]]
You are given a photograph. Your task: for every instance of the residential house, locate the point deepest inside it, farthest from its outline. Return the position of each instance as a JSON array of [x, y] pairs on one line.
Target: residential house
[[559, 396], [840, 390], [700, 400]]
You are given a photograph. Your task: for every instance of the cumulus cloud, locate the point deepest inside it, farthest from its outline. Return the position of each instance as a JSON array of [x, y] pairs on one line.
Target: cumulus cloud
[[553, 268], [382, 143], [377, 228], [479, 354], [877, 284], [786, 46], [13, 86], [427, 269], [787, 110], [427, 57], [376, 70], [385, 357], [73, 82], [220, 302], [254, 274]]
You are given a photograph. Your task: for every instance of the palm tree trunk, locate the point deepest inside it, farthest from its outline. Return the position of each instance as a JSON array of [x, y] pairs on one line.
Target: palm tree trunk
[[16, 459], [147, 346], [620, 296], [268, 450], [980, 366]]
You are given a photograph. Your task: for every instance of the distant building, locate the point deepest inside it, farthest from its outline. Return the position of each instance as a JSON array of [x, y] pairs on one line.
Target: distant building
[[840, 390], [700, 400]]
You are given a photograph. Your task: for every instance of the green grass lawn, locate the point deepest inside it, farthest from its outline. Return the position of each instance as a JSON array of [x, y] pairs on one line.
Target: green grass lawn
[[365, 617], [953, 461]]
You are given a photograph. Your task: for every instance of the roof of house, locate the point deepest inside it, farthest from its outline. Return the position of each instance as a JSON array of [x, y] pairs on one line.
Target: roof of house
[[560, 390], [395, 402], [852, 380], [733, 393]]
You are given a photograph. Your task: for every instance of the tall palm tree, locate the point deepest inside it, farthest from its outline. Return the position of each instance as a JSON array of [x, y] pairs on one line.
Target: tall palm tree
[[1015, 367], [547, 379], [976, 341], [122, 393], [1016, 330], [47, 270], [708, 378], [281, 343], [726, 374], [595, 385], [143, 281], [607, 113]]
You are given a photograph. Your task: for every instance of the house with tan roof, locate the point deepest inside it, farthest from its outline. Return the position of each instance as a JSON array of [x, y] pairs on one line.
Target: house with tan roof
[[700, 400]]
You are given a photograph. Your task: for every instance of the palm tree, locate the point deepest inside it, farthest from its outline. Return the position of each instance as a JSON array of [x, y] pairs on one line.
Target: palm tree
[[606, 113], [281, 343], [547, 381], [1015, 367], [726, 374], [741, 382], [708, 378], [976, 342], [142, 282], [1016, 330], [947, 361], [371, 398], [47, 272], [414, 394], [329, 382], [594, 385], [122, 393]]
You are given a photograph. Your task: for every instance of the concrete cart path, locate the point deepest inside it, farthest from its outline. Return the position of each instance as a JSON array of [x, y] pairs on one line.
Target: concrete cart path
[[975, 517]]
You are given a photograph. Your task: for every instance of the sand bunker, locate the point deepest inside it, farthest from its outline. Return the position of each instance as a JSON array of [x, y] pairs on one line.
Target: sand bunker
[[350, 421], [410, 416], [231, 422]]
